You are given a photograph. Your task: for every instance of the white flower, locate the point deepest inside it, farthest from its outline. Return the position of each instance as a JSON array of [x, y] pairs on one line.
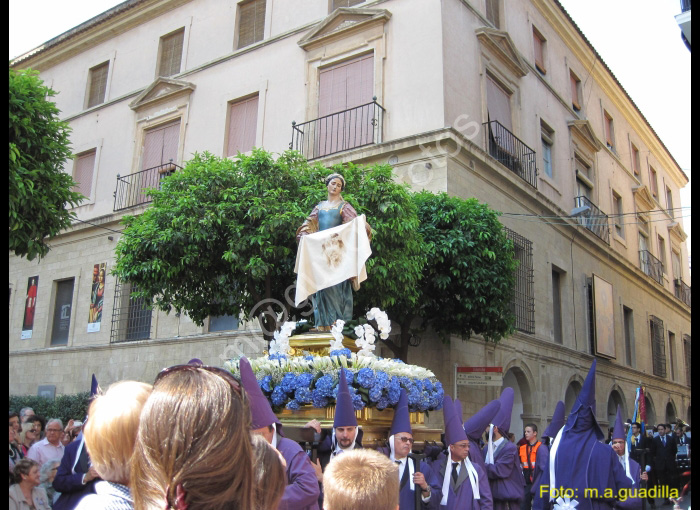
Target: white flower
[[565, 504], [359, 331]]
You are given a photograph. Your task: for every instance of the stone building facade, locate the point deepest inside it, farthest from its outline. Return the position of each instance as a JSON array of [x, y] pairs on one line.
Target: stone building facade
[[503, 101]]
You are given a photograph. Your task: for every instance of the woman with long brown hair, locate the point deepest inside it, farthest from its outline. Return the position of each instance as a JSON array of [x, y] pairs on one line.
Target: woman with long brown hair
[[193, 448]]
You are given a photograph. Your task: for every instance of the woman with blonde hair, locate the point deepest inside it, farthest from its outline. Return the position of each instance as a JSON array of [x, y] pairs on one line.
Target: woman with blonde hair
[[193, 449], [27, 437], [110, 434]]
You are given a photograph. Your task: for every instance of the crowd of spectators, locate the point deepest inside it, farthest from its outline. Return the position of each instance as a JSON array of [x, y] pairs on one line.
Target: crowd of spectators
[[185, 443]]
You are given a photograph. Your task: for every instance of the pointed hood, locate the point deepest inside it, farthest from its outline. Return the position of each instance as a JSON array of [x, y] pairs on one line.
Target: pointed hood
[[195, 361], [344, 410], [582, 416], [474, 426], [557, 421], [619, 428], [401, 421], [454, 432], [458, 409], [502, 418], [94, 387], [260, 410]]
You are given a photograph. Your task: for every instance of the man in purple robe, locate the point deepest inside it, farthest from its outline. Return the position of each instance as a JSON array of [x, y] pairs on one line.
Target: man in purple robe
[[629, 501], [581, 467], [543, 451], [456, 482], [474, 427], [502, 460], [400, 445], [302, 491]]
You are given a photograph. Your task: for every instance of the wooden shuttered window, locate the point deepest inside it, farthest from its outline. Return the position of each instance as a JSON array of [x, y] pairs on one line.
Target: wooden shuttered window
[[344, 3], [98, 84], [653, 182], [492, 12], [498, 101], [539, 44], [242, 126], [251, 24], [609, 131], [635, 160], [575, 91], [171, 53], [658, 347], [83, 169]]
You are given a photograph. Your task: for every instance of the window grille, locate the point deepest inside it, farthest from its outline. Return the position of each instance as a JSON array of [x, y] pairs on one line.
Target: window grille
[[345, 3], [523, 304], [131, 319], [686, 355], [658, 347]]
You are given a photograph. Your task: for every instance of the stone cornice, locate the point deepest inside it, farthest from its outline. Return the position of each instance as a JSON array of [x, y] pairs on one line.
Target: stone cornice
[[582, 128], [161, 90], [501, 45], [342, 22]]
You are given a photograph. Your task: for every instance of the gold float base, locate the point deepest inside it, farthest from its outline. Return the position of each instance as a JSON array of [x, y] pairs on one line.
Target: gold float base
[[316, 344]]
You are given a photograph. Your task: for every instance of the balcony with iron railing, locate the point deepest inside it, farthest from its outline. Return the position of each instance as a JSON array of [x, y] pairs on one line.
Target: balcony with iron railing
[[338, 132], [593, 218], [682, 291], [651, 266], [511, 152], [131, 189]]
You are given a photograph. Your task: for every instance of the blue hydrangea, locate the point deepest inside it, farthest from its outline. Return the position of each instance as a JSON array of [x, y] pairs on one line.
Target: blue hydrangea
[[414, 396], [357, 402], [383, 403], [293, 405], [324, 386], [349, 376], [381, 379], [398, 361], [394, 391], [341, 352], [304, 380], [303, 395], [365, 377], [265, 384], [309, 358], [375, 394], [277, 356], [278, 396], [288, 383], [318, 399], [428, 385]]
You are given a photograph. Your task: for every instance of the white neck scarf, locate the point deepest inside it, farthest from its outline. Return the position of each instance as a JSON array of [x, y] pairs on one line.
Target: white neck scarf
[[489, 450], [552, 459], [626, 463], [274, 436], [473, 478], [409, 465]]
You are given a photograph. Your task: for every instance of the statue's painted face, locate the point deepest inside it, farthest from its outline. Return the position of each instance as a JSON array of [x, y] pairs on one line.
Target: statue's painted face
[[335, 186]]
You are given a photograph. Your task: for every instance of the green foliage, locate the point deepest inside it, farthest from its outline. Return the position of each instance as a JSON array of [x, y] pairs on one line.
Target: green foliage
[[63, 407], [39, 145], [468, 284]]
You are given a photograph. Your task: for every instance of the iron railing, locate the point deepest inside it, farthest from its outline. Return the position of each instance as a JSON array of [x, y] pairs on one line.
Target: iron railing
[[593, 219], [511, 152], [523, 302], [131, 189], [651, 266], [682, 291], [338, 132], [131, 317]]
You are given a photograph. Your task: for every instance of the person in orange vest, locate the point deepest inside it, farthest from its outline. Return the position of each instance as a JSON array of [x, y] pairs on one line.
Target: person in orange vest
[[528, 455]]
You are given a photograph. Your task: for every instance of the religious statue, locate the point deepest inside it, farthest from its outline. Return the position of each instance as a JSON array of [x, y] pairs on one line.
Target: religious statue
[[336, 257]]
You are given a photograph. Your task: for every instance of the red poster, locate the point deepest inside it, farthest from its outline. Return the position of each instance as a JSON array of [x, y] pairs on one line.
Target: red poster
[[30, 307]]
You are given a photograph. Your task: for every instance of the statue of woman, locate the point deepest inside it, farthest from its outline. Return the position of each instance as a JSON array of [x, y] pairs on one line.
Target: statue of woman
[[333, 302]]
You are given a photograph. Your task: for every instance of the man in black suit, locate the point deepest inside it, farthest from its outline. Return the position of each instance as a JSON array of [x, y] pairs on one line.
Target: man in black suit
[[663, 450], [640, 452]]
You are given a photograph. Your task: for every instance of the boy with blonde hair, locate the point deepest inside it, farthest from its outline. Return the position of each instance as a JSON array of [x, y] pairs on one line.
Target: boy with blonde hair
[[361, 479]]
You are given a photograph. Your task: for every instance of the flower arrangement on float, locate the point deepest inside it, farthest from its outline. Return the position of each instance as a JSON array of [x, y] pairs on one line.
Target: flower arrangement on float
[[295, 381]]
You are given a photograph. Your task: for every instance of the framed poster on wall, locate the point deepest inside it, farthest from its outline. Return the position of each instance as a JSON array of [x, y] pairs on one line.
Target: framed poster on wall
[[604, 318], [30, 306]]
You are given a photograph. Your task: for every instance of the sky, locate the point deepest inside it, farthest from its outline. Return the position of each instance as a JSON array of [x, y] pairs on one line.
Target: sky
[[639, 40]]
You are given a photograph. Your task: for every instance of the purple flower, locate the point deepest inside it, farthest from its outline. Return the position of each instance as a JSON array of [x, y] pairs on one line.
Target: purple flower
[[365, 377], [278, 396], [265, 384], [303, 395], [288, 383], [324, 386], [293, 405]]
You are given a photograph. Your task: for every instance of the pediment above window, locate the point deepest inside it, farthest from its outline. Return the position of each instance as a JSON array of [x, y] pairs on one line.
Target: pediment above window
[[643, 198], [500, 45], [677, 233], [584, 133], [342, 22], [161, 90]]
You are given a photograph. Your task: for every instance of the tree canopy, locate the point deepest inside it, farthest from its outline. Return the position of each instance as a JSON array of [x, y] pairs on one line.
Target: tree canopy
[[219, 239], [39, 188]]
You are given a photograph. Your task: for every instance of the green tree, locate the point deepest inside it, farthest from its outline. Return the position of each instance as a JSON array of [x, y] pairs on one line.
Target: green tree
[[467, 286], [219, 237], [39, 146]]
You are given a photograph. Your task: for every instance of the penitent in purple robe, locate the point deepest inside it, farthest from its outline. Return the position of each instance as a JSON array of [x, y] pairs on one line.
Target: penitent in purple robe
[[302, 489], [505, 476], [632, 503], [461, 496], [541, 460], [474, 428]]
